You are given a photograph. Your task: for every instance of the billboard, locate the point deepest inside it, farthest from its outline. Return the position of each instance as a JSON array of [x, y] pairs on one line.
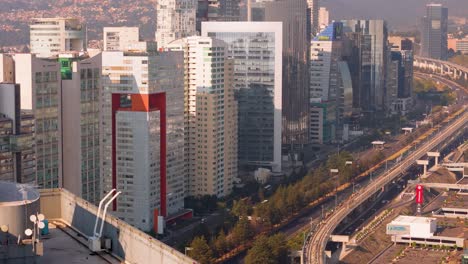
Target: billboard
[[419, 194], [393, 229]]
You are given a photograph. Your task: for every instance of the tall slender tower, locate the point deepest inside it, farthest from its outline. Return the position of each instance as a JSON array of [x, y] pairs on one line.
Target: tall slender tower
[[175, 19], [434, 32], [313, 7]]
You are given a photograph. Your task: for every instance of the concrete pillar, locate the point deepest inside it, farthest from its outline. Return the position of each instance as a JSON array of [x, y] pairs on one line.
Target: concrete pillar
[[424, 163]]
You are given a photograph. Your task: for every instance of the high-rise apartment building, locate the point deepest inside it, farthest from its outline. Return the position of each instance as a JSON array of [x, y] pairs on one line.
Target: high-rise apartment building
[[368, 59], [142, 134], [175, 19], [7, 69], [210, 116], [80, 84], [17, 152], [41, 93], [434, 32], [296, 38], [256, 50], [50, 36]]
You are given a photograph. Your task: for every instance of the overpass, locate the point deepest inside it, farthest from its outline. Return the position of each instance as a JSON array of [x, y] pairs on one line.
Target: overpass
[[442, 67], [314, 248], [456, 166]]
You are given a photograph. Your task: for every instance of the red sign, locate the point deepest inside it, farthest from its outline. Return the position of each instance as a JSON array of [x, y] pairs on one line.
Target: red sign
[[419, 194]]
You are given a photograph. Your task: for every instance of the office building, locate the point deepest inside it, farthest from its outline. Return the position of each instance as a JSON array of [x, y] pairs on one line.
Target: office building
[[210, 117], [17, 151], [175, 19], [142, 134], [434, 32], [400, 81], [80, 84], [256, 49], [330, 86], [41, 93], [7, 69], [367, 55], [50, 36], [296, 37]]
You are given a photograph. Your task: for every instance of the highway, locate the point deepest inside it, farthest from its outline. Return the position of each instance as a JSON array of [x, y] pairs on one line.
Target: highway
[[315, 247]]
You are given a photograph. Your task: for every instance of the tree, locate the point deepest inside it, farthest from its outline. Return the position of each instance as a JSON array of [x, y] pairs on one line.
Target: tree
[[200, 251], [268, 250], [221, 244], [260, 252], [241, 208], [242, 231]]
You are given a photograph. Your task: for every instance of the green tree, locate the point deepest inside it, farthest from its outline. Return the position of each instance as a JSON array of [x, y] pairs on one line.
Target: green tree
[[260, 252], [221, 244], [200, 251], [241, 208], [268, 250], [242, 231]]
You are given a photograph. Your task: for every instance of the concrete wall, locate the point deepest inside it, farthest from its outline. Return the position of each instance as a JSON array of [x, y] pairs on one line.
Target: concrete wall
[[127, 242]]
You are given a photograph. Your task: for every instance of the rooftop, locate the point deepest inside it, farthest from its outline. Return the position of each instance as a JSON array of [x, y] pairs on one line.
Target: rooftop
[[413, 219], [71, 221]]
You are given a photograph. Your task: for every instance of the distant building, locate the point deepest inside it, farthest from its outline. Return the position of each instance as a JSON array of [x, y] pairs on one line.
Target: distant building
[[324, 19], [142, 134], [462, 46], [175, 19], [256, 49], [367, 55], [400, 81], [314, 16], [210, 130], [17, 151], [434, 32], [50, 36], [120, 38], [81, 88], [330, 85]]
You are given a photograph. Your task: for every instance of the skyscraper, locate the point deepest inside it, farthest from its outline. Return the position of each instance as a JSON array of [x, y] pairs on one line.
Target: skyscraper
[[210, 116], [175, 19], [50, 36], [330, 88], [296, 37], [142, 134], [256, 49], [434, 32], [324, 19], [367, 56]]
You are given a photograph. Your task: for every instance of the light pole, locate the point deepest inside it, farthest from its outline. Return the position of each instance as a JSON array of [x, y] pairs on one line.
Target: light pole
[[336, 186]]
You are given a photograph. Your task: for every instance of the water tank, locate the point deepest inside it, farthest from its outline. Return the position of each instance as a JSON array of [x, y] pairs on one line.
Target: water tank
[[17, 203]]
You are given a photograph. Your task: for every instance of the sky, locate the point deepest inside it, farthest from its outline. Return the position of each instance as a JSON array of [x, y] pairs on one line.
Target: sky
[[400, 14]]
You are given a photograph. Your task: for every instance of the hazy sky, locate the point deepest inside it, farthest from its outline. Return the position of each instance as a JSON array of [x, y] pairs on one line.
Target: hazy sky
[[398, 13]]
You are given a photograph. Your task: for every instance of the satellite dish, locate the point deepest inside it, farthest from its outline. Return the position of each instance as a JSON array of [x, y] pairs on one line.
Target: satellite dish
[[41, 225], [4, 228], [33, 218], [28, 232], [41, 217]]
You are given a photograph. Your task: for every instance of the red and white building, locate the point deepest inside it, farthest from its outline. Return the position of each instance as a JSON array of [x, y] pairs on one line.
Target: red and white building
[[142, 134]]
